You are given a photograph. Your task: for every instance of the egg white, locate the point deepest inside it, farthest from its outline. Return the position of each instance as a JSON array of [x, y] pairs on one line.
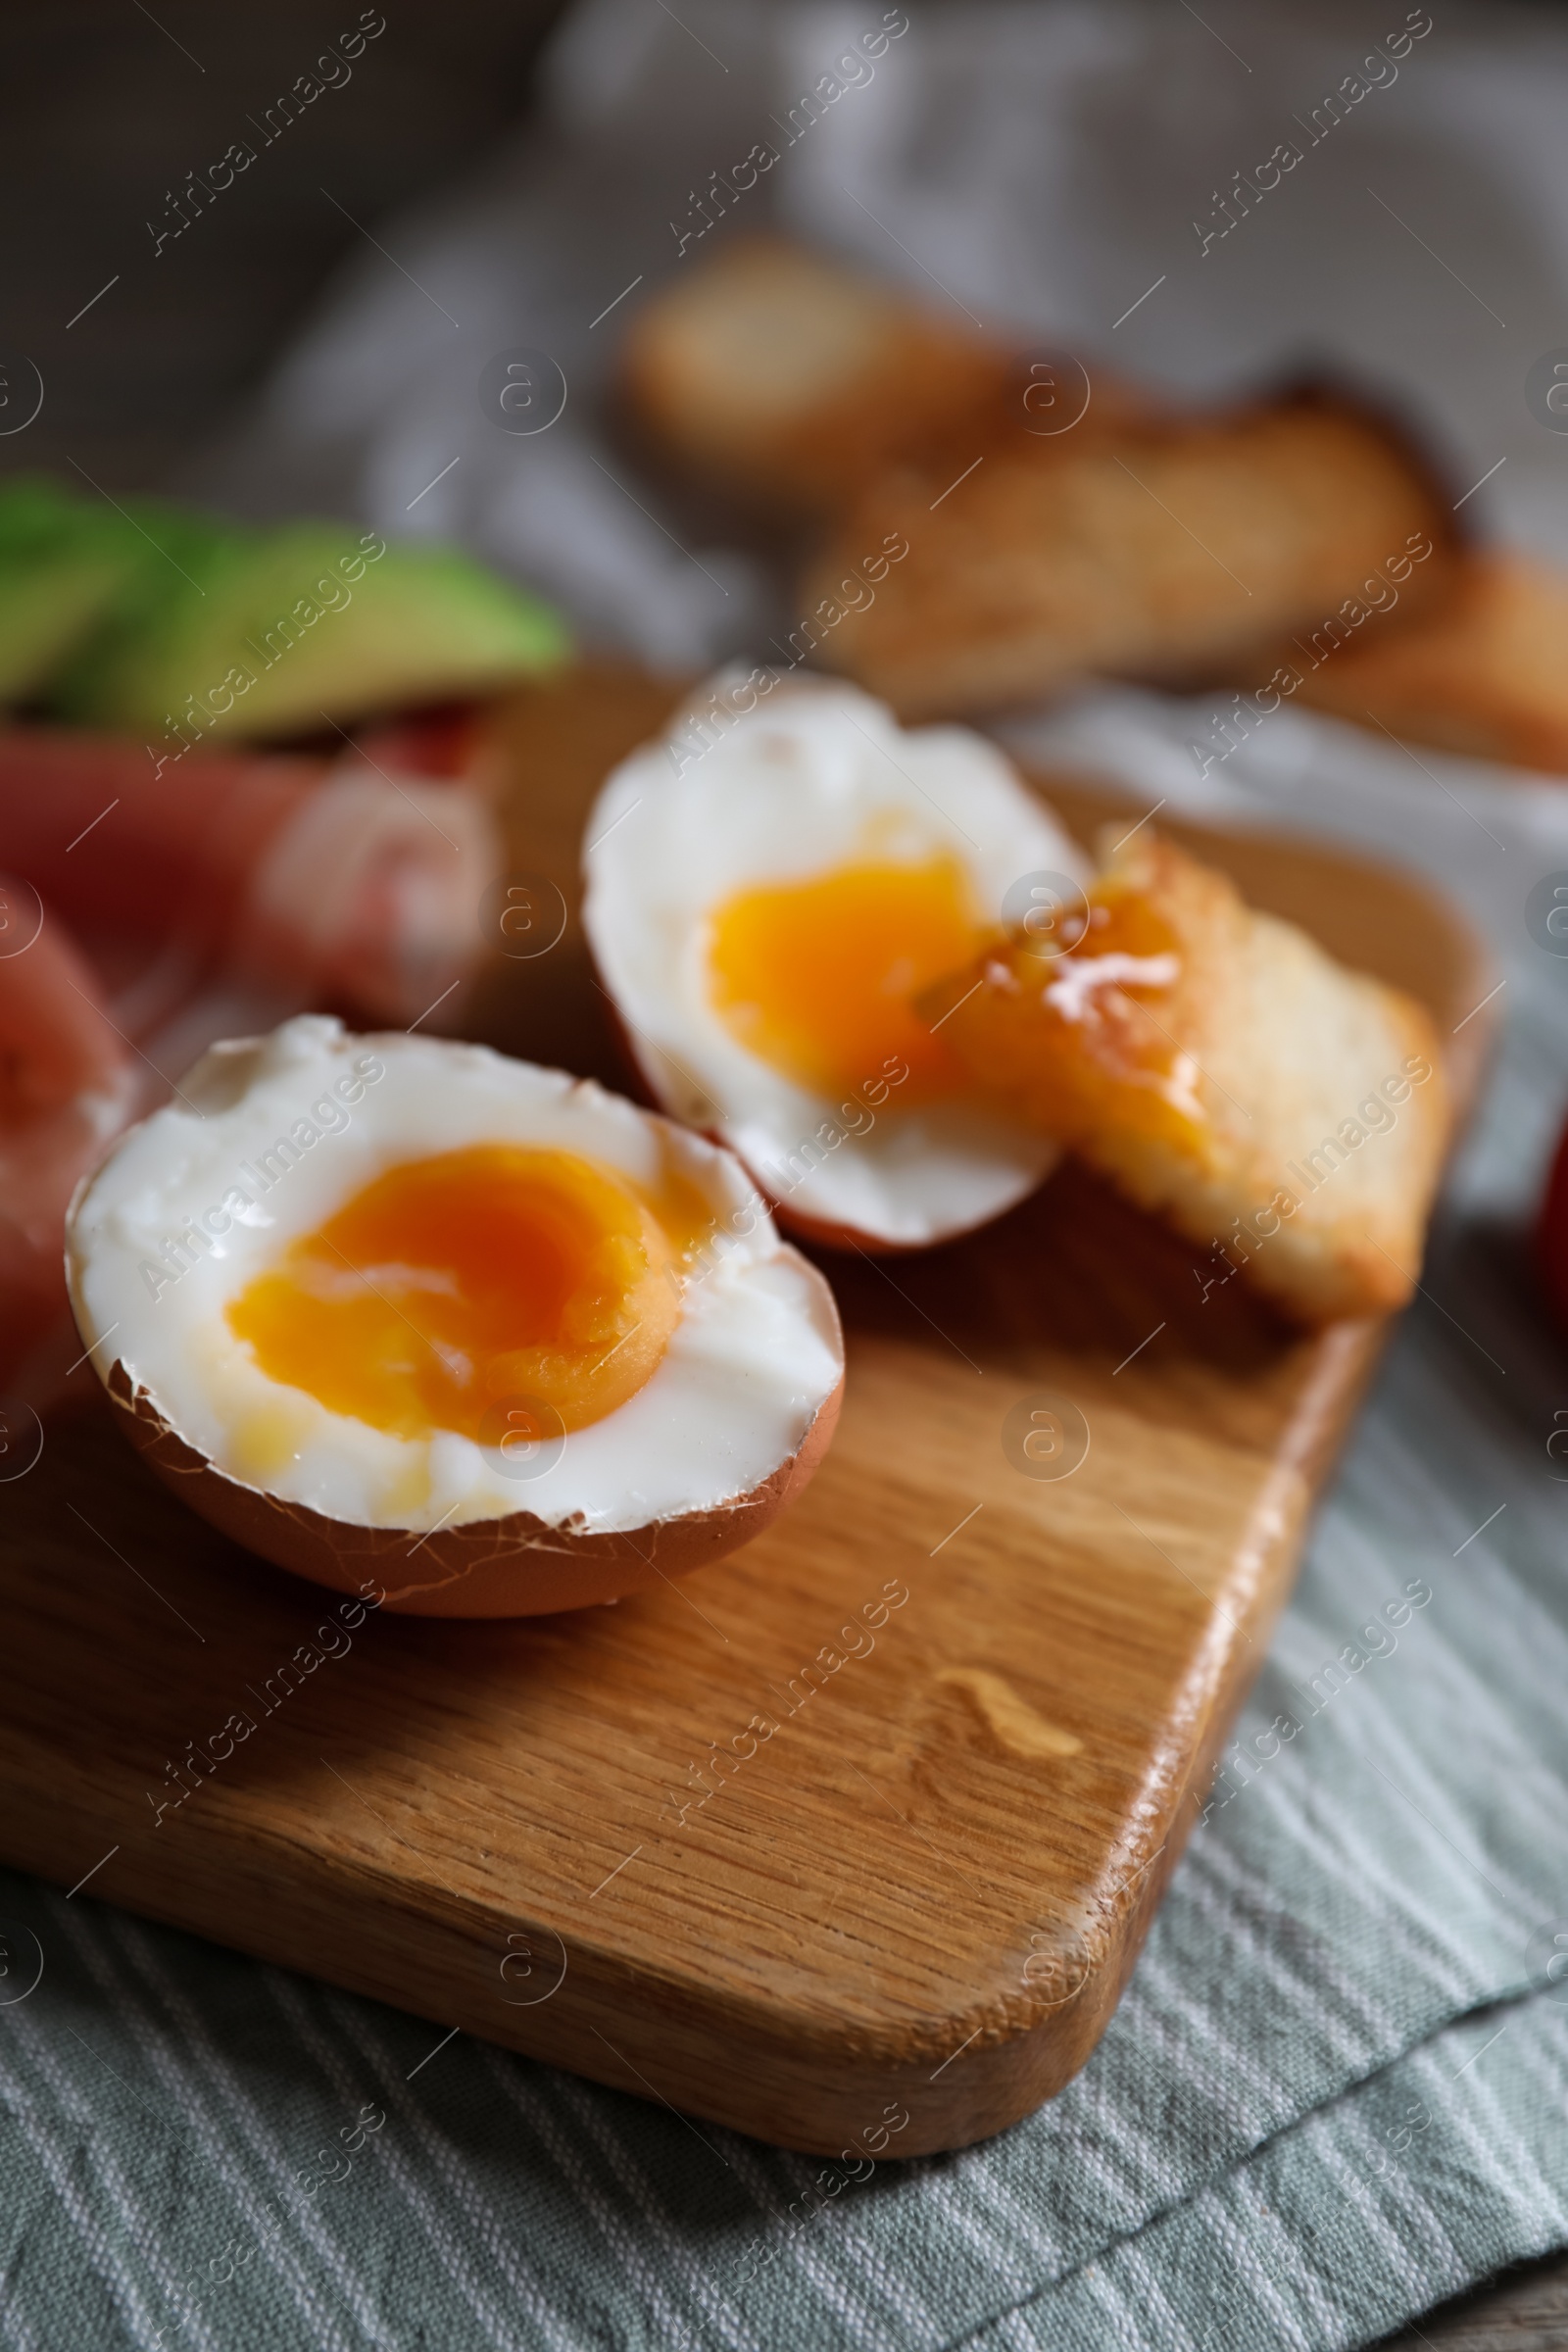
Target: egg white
[[816, 776], [751, 1359]]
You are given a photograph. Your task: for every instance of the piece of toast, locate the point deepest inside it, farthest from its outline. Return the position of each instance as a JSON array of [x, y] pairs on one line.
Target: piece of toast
[[775, 372], [1161, 552], [1483, 673], [1287, 1115]]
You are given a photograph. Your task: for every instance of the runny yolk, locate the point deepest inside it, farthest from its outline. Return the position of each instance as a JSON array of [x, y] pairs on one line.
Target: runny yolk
[[454, 1293], [1087, 1040], [815, 977]]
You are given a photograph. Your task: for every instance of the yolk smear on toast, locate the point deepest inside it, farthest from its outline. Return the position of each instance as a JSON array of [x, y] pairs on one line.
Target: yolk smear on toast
[[1090, 1039]]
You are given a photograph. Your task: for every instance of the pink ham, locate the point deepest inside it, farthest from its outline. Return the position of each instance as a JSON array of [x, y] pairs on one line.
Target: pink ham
[[68, 1084], [347, 882]]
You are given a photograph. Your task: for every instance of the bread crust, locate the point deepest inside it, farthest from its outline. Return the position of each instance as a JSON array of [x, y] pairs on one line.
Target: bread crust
[[1483, 671], [1160, 548], [790, 380]]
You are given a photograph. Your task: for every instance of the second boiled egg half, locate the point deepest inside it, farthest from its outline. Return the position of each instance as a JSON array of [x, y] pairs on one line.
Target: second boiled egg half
[[767, 892]]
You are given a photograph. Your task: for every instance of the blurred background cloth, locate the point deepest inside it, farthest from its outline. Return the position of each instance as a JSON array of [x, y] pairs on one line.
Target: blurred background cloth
[[103, 111], [1037, 170], [1336, 2089]]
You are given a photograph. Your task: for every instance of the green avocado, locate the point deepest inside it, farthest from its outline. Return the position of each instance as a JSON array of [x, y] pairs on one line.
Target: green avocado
[[60, 570], [244, 633]]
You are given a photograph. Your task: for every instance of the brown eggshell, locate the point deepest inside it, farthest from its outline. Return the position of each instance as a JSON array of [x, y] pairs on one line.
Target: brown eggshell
[[518, 1567]]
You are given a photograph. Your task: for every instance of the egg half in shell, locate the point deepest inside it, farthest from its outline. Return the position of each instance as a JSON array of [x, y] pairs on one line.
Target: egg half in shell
[[767, 892], [400, 1308]]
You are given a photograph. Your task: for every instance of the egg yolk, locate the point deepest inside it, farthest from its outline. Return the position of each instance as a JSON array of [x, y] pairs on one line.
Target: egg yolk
[[459, 1292], [815, 977], [1090, 1039]]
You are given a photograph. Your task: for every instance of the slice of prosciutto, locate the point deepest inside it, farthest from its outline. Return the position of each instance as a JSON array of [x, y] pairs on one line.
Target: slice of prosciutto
[[68, 1085], [346, 880]]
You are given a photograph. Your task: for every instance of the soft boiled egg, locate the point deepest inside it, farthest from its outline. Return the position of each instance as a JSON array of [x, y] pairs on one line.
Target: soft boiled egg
[[767, 892], [396, 1307]]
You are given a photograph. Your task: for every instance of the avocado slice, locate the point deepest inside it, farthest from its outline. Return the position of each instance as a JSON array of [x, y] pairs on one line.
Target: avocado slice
[[246, 634], [61, 567]]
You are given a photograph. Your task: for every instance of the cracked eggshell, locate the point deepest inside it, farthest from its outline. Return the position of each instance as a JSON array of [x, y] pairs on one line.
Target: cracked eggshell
[[519, 1566], [721, 1436]]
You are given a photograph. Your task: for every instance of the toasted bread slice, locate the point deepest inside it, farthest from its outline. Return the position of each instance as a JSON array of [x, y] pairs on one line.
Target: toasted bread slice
[[778, 373], [1159, 553], [1286, 1114], [1483, 673]]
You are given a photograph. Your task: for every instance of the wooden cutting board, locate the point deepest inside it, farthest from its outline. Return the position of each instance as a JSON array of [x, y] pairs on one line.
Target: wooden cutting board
[[900, 1913]]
